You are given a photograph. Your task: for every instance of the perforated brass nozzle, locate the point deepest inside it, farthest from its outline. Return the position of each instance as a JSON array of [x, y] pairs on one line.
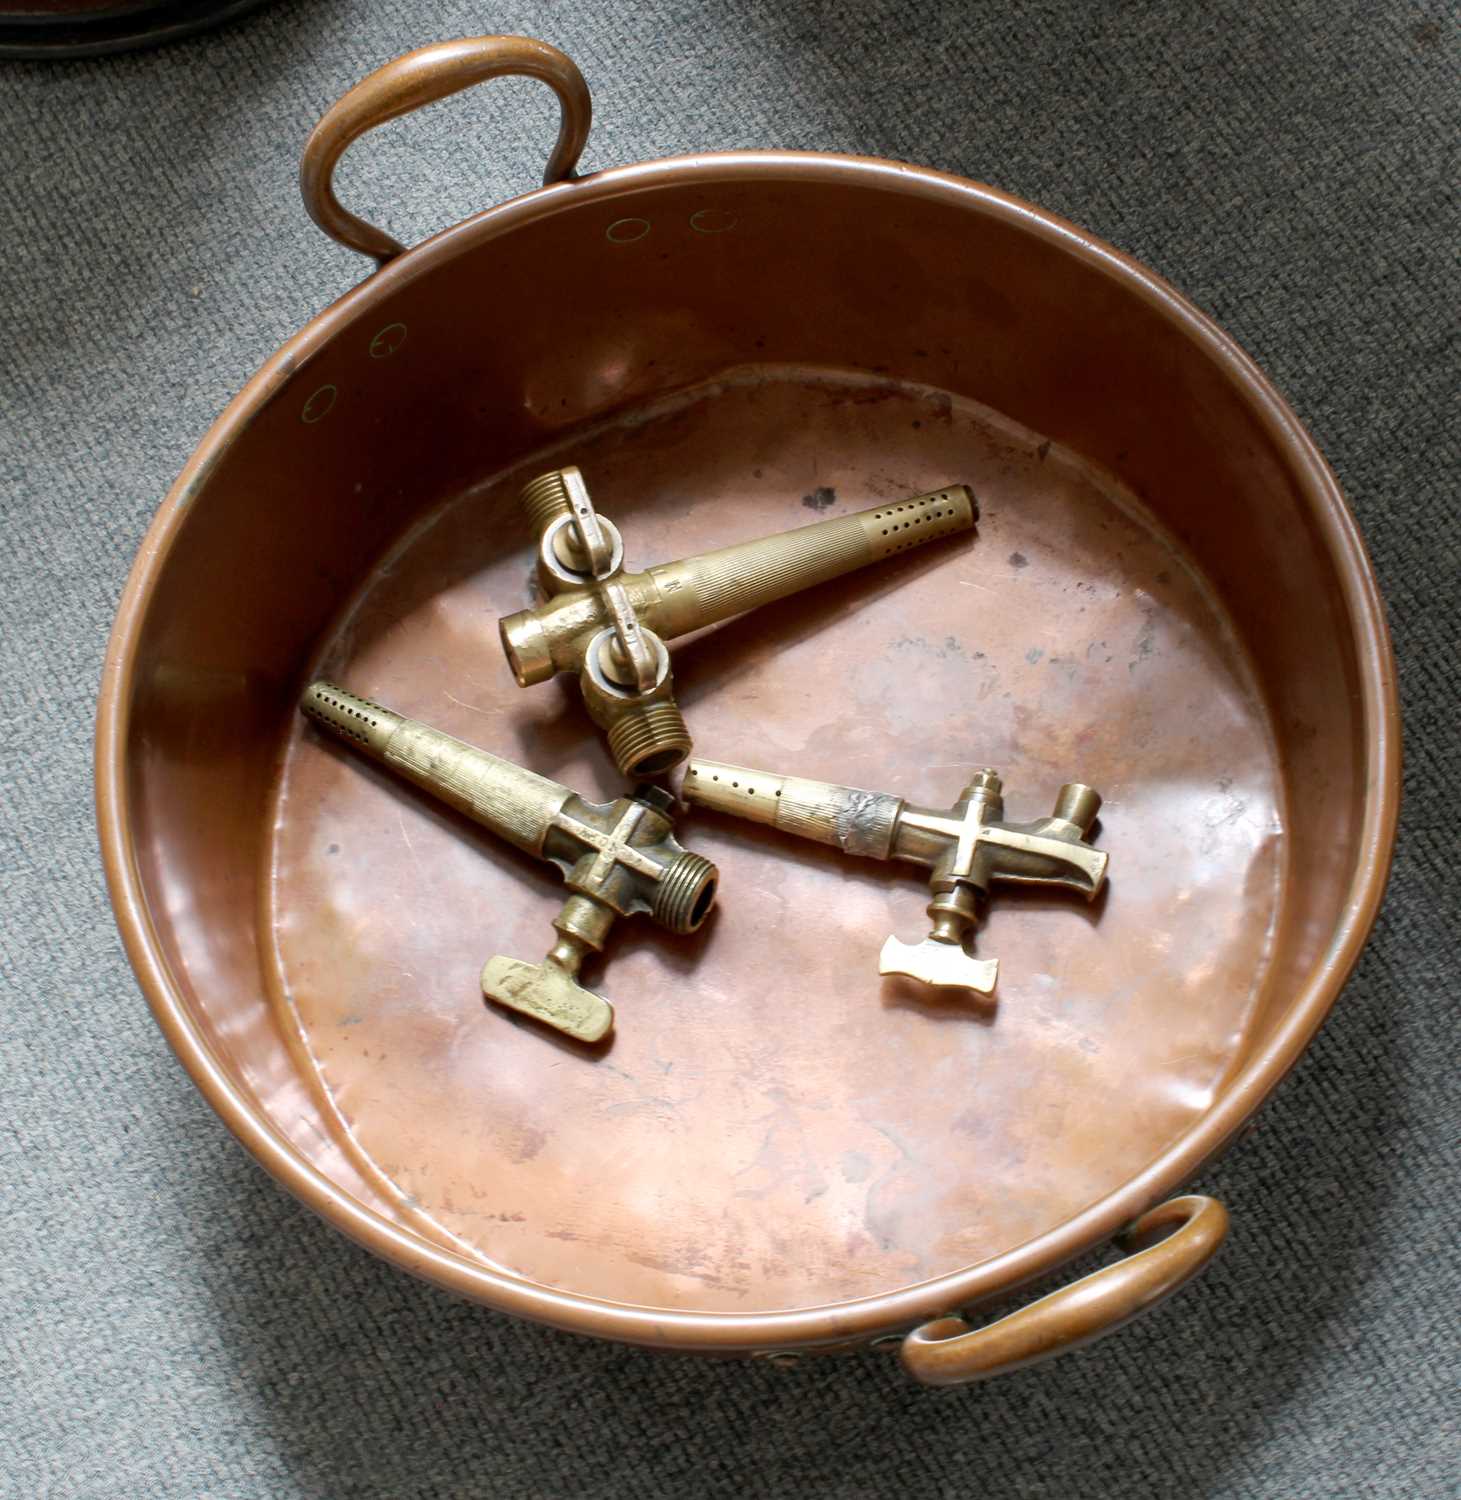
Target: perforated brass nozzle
[[966, 848], [610, 627], [617, 858]]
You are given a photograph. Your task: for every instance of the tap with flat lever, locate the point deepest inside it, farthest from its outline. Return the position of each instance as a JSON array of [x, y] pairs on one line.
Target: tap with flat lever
[[617, 858], [966, 848]]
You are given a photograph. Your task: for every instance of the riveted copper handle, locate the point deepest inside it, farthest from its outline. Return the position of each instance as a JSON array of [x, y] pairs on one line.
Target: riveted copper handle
[[948, 1352], [419, 78]]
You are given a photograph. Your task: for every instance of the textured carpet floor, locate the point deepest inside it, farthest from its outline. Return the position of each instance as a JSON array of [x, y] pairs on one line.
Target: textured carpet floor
[[172, 1324]]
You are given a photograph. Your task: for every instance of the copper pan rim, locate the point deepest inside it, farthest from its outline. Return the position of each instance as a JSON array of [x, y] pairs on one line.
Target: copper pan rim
[[729, 1332]]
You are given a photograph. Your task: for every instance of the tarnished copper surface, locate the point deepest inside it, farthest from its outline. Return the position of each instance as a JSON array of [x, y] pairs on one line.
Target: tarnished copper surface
[[778, 1127], [1166, 591]]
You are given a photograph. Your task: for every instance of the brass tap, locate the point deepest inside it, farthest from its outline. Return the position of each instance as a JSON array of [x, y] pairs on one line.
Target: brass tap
[[617, 858], [967, 848], [610, 627]]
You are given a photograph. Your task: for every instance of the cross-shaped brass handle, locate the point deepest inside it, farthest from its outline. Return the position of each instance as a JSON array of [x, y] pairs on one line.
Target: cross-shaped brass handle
[[617, 858], [966, 848]]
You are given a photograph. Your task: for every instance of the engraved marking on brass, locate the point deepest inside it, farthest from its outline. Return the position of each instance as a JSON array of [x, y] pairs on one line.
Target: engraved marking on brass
[[548, 994], [611, 848], [319, 406], [388, 340]]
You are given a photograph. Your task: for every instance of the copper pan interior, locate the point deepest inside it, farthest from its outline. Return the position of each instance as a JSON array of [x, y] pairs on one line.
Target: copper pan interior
[[1152, 604]]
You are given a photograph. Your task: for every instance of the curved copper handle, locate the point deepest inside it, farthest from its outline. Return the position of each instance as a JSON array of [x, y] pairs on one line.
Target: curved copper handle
[[948, 1352], [419, 78]]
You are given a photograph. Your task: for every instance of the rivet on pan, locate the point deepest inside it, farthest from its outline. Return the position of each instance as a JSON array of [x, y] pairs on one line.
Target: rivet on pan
[[626, 231], [712, 221], [388, 340], [319, 405]]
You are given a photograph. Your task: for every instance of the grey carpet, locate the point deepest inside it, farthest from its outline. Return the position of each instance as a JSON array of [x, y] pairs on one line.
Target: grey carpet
[[173, 1325]]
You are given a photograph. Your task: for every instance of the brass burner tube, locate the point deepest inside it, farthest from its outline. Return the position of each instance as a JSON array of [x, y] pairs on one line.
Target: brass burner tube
[[516, 804]]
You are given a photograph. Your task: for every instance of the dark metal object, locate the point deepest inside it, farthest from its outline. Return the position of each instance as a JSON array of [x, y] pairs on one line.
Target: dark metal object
[[64, 30]]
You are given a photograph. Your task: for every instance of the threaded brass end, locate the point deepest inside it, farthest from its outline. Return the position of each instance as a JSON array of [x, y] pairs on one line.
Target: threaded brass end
[[685, 894], [650, 739], [544, 499]]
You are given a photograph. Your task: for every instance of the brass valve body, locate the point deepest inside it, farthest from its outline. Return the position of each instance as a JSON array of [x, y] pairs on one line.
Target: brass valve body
[[617, 858], [966, 849]]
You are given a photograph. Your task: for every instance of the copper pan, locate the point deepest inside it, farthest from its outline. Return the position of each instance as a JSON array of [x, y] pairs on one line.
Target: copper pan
[[1166, 598]]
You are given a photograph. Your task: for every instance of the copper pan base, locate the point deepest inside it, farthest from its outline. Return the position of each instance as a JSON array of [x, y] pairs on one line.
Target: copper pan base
[[774, 1126], [1165, 598]]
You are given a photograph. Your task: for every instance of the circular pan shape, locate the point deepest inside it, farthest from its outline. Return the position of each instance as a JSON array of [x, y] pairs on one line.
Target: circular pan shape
[[95, 30], [1375, 796]]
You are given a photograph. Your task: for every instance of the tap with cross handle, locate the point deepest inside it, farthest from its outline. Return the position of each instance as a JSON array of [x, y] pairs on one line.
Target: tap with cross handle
[[617, 858], [966, 849], [610, 627]]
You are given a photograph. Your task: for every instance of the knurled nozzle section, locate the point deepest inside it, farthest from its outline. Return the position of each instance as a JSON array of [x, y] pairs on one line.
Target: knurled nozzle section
[[685, 893], [756, 573], [515, 803], [544, 499], [650, 739], [351, 718], [850, 819]]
